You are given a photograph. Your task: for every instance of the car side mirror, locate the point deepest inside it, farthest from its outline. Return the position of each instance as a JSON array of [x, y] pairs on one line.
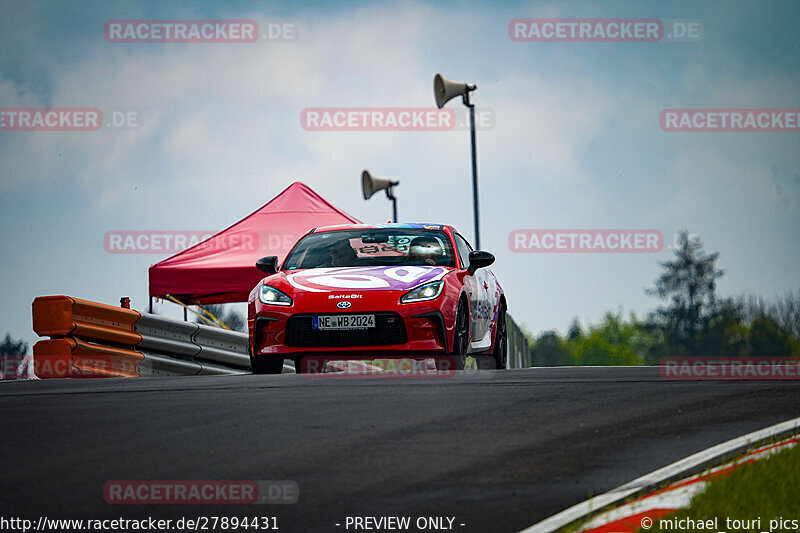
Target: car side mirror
[[479, 259], [268, 265]]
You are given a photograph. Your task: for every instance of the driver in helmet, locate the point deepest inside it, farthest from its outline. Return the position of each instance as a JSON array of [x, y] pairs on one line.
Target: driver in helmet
[[342, 254], [425, 251]]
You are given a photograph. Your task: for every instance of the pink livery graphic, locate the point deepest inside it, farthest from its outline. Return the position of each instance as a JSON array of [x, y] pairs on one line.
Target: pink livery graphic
[[378, 278]]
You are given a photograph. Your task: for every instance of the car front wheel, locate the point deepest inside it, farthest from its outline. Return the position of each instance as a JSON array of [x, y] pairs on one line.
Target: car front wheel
[[458, 357], [501, 340], [266, 364]]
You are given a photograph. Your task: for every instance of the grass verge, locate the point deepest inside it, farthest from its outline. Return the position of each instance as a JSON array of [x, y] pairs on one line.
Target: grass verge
[[763, 496]]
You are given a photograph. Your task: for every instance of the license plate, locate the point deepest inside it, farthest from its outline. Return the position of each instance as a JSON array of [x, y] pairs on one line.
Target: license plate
[[328, 322]]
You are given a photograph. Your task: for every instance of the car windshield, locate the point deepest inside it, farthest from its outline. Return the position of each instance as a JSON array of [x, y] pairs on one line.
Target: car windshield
[[372, 247]]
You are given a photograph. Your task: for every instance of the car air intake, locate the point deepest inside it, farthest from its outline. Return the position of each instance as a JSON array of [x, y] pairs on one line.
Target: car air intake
[[389, 329]]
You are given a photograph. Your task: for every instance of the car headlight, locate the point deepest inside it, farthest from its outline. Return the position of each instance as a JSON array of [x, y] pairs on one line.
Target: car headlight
[[272, 296], [428, 291]]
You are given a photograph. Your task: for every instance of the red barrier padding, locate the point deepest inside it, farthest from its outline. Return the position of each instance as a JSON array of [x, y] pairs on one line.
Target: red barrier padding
[[69, 357], [57, 316]]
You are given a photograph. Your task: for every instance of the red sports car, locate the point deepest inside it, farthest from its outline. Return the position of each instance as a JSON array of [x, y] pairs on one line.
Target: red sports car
[[378, 291]]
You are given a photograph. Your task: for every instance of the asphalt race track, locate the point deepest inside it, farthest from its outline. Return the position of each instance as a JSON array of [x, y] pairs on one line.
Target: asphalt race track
[[497, 450]]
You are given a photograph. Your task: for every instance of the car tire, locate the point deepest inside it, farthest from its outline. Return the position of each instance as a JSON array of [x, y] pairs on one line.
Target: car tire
[[308, 365], [501, 340], [458, 357], [266, 364]]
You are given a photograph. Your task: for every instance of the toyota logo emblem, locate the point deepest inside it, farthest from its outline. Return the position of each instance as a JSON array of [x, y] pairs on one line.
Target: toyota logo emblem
[[344, 305]]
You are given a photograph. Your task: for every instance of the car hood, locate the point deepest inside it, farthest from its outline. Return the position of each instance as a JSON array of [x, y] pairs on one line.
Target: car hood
[[378, 278]]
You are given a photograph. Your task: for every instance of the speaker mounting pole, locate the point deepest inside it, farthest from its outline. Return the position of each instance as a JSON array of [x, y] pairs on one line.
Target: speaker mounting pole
[[445, 90], [475, 210], [390, 196]]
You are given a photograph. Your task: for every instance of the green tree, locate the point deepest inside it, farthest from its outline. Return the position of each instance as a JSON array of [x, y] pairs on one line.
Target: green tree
[[787, 314], [10, 346], [784, 311], [613, 342], [550, 350], [595, 350], [767, 339], [574, 332], [724, 333], [688, 285]]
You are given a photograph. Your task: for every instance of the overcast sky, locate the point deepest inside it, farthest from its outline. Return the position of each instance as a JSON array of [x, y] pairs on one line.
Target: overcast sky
[[575, 142]]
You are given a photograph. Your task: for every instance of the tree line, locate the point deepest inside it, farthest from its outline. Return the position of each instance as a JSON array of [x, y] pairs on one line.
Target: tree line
[[689, 320]]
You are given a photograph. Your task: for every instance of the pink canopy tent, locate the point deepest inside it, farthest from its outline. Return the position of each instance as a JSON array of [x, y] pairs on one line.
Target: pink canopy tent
[[222, 269]]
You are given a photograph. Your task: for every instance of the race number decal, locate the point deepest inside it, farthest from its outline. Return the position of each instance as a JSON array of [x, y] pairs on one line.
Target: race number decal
[[349, 281], [406, 274], [364, 278]]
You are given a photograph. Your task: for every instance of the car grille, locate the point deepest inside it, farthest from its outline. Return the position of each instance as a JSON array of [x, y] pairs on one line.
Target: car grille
[[389, 329]]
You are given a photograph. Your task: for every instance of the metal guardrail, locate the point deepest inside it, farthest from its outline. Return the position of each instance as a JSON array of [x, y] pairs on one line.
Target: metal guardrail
[[90, 339], [167, 336], [217, 345], [174, 347], [519, 353], [157, 365]]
